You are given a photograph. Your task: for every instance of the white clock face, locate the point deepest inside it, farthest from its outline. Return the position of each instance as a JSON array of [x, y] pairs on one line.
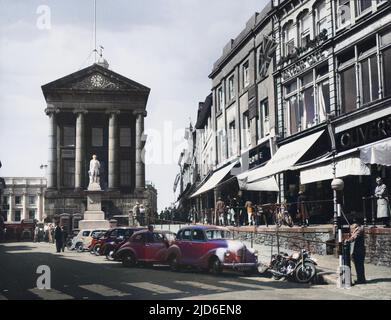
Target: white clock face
[[97, 80]]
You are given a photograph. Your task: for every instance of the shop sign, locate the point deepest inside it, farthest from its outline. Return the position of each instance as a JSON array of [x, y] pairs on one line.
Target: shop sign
[[364, 134], [304, 64]]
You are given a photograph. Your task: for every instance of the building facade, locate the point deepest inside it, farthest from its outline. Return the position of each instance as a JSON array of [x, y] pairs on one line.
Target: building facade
[[96, 111], [300, 97], [24, 199]]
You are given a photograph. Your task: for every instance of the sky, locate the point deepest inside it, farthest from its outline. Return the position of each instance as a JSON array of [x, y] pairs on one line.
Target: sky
[[167, 45]]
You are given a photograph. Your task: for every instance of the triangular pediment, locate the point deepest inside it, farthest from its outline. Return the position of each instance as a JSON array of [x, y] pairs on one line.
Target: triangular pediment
[[94, 78]]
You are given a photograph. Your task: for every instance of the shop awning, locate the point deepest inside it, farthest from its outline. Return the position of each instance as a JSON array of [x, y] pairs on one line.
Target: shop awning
[[268, 184], [351, 166], [377, 153], [214, 180], [285, 157]]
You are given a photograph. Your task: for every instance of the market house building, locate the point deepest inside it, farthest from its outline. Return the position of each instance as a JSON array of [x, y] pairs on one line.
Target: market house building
[[96, 111]]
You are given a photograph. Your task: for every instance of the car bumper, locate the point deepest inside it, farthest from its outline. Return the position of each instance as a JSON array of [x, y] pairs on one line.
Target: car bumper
[[241, 266]]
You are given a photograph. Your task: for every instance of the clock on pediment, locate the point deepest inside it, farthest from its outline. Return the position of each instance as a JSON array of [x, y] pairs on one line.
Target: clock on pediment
[[97, 81]]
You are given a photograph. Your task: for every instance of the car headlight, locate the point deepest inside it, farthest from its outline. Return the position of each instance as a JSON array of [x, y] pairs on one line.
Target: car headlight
[[227, 254], [255, 252]]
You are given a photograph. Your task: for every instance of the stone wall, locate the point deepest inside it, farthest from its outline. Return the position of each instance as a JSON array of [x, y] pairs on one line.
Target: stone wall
[[378, 246], [295, 239], [319, 241]]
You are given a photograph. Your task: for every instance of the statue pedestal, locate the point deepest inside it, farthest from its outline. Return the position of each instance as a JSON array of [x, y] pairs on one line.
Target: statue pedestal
[[94, 217]]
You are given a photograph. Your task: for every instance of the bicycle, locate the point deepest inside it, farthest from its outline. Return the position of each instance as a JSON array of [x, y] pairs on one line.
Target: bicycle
[[281, 215]]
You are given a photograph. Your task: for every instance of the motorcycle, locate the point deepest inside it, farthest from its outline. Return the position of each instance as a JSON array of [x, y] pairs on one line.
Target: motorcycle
[[299, 267]]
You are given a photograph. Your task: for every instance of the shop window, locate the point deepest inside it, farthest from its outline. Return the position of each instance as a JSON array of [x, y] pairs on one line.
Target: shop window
[[125, 173], [307, 106], [294, 115], [69, 136]]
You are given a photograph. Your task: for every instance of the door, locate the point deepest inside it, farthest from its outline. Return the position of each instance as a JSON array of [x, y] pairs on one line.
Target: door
[[198, 248], [185, 245], [155, 247]]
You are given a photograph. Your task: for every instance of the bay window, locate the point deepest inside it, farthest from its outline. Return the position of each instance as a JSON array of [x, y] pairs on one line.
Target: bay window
[[348, 91]]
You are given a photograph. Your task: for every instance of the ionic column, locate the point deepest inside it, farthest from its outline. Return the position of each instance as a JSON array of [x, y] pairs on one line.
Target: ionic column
[[79, 159], [11, 206], [140, 164], [52, 156], [113, 150]]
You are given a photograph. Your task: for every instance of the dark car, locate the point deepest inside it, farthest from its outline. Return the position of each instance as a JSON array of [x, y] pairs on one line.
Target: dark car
[[115, 236], [147, 247], [211, 248]]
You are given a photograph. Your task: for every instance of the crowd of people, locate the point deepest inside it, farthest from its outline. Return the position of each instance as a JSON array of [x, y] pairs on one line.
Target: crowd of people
[[238, 212]]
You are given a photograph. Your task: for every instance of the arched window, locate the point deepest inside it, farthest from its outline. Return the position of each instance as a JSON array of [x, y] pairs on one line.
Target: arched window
[[320, 11], [304, 23], [288, 34]]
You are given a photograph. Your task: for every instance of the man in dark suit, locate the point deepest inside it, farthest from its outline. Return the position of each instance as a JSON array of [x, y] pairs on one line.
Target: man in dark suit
[[58, 237], [358, 254]]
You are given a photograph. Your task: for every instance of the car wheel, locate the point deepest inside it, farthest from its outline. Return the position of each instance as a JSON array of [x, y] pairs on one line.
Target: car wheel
[[79, 247], [109, 256], [215, 266], [128, 260], [174, 265], [96, 250]]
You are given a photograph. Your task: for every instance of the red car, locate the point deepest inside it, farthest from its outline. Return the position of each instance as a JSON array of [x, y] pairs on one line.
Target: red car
[[211, 248], [145, 247]]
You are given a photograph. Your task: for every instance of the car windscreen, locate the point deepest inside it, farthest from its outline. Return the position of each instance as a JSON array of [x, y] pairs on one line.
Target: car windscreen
[[215, 234]]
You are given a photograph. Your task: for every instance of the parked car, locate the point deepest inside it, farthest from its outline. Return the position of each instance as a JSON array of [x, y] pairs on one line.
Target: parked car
[[115, 236], [96, 241], [145, 247], [19, 231], [83, 239], [211, 248]]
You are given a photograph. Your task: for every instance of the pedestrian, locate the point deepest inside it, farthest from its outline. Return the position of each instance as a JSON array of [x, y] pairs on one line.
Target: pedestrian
[[149, 234], [250, 212], [220, 207], [358, 252], [46, 232], [142, 215], [383, 202], [64, 238], [136, 214], [36, 234], [261, 215], [302, 210], [58, 237]]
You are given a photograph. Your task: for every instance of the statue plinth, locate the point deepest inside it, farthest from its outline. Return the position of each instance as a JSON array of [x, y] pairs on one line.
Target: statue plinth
[[94, 217]]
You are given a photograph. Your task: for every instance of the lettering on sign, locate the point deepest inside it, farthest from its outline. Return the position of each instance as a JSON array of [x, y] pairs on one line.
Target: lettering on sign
[[364, 134]]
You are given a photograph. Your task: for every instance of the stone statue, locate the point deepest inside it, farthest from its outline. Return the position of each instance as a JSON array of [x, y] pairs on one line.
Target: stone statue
[[94, 172]]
